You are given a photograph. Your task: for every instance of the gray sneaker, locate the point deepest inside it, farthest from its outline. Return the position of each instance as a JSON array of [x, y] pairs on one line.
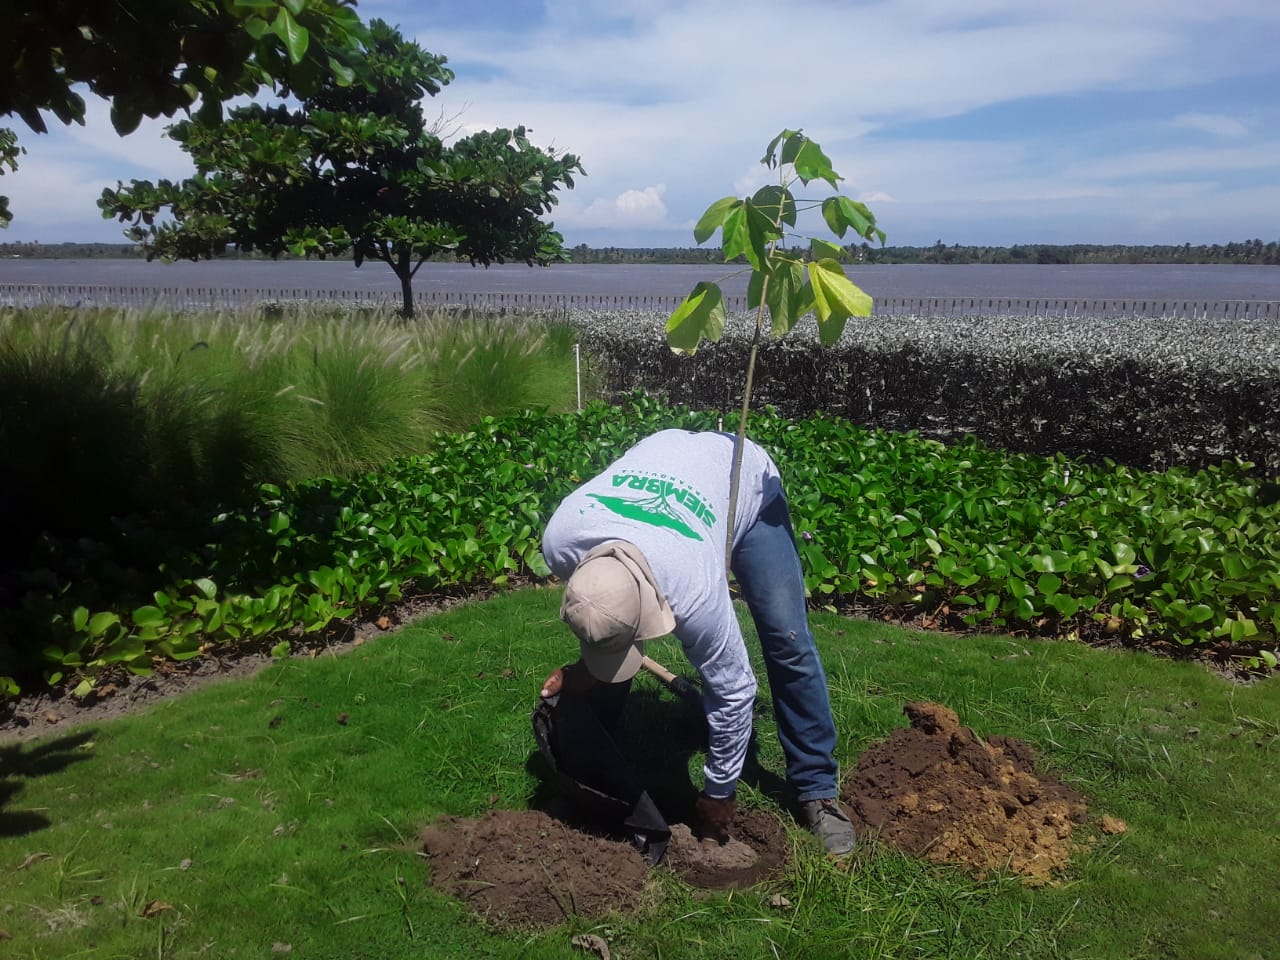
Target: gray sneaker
[[828, 823]]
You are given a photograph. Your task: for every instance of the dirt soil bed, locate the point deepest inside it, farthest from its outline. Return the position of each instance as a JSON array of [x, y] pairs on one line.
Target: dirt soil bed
[[933, 789], [936, 790], [524, 868]]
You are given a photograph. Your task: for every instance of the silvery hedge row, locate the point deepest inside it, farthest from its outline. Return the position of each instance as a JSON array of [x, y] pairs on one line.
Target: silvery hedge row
[[1018, 542], [1146, 392]]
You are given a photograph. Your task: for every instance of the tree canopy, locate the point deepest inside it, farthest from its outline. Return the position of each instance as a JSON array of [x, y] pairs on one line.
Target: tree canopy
[[153, 58], [354, 168]]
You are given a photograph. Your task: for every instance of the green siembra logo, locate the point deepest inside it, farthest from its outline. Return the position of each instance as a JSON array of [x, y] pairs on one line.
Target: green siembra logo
[[658, 509]]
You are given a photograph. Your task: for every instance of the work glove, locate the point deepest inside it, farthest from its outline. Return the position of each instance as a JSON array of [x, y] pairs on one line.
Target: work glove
[[713, 815], [573, 677]]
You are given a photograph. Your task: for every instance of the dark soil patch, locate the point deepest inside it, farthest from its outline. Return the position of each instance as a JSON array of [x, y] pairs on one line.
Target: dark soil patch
[[936, 790], [522, 868], [526, 869]]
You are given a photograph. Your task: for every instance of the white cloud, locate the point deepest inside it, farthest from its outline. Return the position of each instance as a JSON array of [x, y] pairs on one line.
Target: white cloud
[[631, 208], [683, 96], [1159, 163], [1217, 124]]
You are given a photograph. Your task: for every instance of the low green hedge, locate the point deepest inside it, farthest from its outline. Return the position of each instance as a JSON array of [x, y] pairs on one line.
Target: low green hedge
[[1049, 546], [1146, 392]]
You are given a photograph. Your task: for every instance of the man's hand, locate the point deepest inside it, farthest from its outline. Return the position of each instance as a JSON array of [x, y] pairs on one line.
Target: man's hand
[[713, 816], [572, 677]]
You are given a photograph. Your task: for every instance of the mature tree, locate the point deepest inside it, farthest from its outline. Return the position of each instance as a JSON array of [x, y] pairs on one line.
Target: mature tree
[[153, 58], [354, 169]]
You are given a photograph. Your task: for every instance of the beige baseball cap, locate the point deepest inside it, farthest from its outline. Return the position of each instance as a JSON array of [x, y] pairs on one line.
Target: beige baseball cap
[[612, 604]]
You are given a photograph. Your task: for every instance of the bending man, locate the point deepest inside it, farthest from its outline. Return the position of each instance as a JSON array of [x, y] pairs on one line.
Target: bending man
[[641, 548]]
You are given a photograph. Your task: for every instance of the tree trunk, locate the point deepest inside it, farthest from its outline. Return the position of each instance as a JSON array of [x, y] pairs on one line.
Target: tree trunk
[[401, 268]]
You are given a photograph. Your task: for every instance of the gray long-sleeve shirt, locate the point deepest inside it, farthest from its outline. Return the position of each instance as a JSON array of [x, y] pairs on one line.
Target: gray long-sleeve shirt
[[668, 495]]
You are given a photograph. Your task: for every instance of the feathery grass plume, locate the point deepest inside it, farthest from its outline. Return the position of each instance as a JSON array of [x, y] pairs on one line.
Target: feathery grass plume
[[498, 363]]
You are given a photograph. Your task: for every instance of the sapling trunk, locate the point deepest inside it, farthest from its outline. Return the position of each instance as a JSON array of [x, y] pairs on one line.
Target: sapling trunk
[[752, 228], [735, 473]]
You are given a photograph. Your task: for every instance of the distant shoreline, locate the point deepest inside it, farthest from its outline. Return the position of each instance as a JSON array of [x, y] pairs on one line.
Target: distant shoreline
[[1242, 253], [85, 280]]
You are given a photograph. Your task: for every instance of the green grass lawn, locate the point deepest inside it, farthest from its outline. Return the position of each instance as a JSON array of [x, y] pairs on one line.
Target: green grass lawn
[[278, 816]]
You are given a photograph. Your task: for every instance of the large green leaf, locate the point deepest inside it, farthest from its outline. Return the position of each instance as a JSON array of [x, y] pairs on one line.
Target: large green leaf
[[735, 241], [835, 299], [789, 298], [292, 34], [714, 218], [701, 315], [841, 214], [809, 161], [777, 204], [823, 250], [747, 232], [770, 158]]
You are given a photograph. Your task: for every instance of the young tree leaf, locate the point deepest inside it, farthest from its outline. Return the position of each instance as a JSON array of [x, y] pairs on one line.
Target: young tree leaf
[[761, 232], [809, 161], [755, 287], [714, 218], [770, 158], [700, 315], [777, 204], [746, 233], [841, 213], [822, 250], [836, 299], [788, 299]]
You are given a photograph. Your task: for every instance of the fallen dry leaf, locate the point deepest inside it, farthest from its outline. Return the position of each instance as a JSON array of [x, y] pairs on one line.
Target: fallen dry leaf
[[383, 623], [34, 858], [1113, 825], [51, 717], [593, 944], [154, 907]]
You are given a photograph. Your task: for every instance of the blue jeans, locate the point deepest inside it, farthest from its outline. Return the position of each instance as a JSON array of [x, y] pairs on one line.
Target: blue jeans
[[766, 563]]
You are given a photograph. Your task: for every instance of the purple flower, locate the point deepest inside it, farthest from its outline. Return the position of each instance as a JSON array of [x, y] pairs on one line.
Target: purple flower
[[806, 536]]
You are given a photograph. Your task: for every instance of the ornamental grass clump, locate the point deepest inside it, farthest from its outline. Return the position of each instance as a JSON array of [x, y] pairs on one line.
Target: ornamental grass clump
[[126, 433]]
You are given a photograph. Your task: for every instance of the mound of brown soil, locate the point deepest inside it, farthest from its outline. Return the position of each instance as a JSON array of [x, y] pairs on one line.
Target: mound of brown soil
[[937, 791], [522, 868]]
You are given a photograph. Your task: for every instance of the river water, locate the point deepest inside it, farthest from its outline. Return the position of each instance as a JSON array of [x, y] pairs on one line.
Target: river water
[[1213, 282]]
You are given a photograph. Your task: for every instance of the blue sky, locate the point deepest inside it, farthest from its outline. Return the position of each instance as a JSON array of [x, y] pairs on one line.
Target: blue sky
[[983, 122]]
